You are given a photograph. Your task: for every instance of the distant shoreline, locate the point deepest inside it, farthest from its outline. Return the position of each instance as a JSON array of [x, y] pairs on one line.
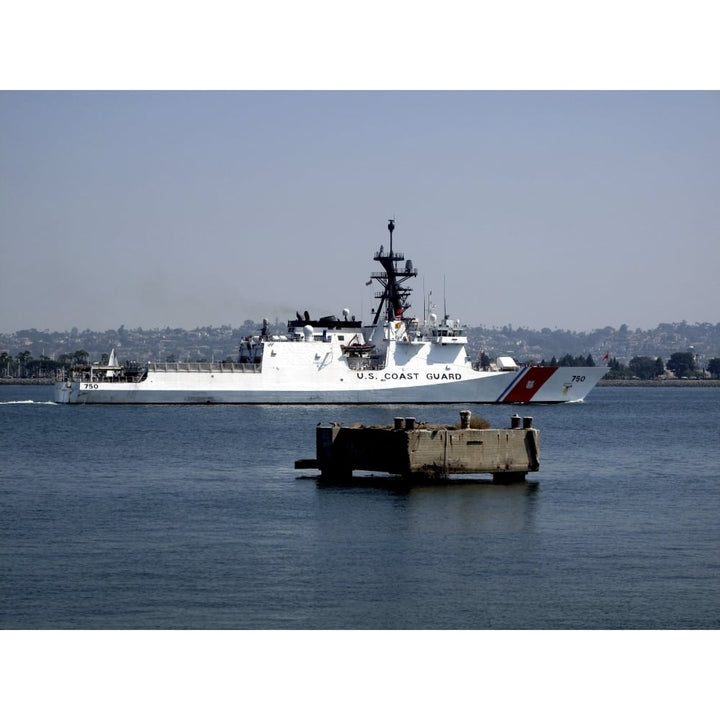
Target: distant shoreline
[[26, 381], [671, 382]]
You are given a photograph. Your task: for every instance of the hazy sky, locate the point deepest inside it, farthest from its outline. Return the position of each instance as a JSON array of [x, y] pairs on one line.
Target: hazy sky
[[572, 210]]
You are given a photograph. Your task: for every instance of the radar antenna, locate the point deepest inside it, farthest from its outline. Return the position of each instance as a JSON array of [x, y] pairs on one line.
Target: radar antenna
[[394, 297]]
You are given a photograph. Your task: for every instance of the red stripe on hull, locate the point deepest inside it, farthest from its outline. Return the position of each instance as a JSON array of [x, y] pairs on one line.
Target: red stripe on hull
[[529, 384]]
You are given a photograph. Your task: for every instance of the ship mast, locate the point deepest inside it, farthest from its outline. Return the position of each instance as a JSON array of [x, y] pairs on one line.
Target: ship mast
[[393, 297]]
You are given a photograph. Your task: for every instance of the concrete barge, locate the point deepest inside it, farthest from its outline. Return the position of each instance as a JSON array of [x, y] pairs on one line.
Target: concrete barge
[[420, 451]]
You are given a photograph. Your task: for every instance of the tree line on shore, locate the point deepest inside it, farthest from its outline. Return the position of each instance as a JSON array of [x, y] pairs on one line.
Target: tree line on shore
[[24, 365], [680, 365]]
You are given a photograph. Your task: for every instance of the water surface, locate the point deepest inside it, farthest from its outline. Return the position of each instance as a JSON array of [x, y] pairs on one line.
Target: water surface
[[193, 517]]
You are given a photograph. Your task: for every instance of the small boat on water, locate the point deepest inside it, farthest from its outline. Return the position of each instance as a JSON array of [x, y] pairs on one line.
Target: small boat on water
[[396, 359]]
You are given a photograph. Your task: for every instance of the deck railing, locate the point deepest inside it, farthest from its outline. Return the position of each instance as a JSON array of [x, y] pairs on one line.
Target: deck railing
[[204, 367]]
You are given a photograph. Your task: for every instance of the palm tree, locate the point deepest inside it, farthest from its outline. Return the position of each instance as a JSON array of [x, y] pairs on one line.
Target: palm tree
[[6, 364], [23, 358], [81, 357]]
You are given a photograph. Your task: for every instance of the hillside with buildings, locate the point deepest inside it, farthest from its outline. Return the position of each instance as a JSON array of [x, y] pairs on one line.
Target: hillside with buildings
[[29, 352]]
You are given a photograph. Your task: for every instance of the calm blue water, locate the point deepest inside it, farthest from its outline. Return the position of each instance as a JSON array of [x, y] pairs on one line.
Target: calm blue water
[[193, 517]]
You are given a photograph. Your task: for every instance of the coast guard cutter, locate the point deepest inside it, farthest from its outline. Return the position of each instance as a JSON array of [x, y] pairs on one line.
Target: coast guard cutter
[[396, 359]]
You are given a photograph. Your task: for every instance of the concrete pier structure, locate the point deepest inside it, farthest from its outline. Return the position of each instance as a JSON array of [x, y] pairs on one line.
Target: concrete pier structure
[[418, 450]]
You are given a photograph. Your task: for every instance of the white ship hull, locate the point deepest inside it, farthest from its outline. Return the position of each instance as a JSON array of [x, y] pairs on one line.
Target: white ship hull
[[329, 380]]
